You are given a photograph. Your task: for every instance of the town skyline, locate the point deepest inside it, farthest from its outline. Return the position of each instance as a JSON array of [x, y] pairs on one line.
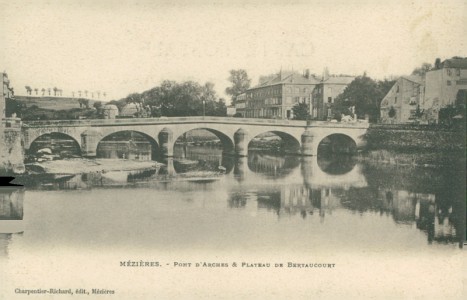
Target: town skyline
[[97, 47]]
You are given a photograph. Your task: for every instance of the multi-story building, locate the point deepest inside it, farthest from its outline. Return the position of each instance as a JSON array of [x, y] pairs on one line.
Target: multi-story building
[[240, 104], [276, 97], [421, 98], [324, 95], [402, 101], [444, 84]]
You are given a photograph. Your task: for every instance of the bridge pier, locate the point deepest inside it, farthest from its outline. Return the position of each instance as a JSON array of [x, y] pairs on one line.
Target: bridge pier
[[89, 141], [308, 147], [240, 140], [166, 142], [241, 168]]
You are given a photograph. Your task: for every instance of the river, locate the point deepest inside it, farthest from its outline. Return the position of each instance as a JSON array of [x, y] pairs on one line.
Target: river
[[264, 208]]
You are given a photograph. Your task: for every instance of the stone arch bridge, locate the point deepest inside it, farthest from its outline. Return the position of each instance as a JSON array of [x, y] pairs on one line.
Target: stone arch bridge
[[235, 133]]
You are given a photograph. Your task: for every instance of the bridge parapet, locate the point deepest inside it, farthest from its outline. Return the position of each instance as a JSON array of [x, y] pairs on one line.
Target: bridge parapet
[[163, 120]]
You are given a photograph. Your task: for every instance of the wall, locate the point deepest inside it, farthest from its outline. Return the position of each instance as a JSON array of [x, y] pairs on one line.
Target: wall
[[11, 151], [414, 137]]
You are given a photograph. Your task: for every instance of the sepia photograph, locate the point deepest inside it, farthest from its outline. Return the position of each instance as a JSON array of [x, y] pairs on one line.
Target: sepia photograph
[[214, 149]]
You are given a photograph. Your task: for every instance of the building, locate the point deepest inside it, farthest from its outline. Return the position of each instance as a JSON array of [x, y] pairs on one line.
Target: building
[[419, 99], [6, 92], [110, 111], [324, 95], [443, 85], [401, 103], [276, 97], [231, 110], [240, 105]]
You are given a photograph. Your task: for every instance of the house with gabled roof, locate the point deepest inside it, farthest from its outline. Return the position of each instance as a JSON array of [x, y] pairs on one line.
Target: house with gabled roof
[[418, 98], [403, 101]]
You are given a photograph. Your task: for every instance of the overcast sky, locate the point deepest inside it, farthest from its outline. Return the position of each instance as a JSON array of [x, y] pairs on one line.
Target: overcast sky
[[130, 46]]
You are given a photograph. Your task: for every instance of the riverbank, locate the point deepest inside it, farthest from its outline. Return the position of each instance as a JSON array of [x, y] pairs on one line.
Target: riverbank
[[425, 158], [407, 138], [84, 165]]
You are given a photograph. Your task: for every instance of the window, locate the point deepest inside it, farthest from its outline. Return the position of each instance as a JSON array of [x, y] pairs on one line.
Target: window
[[397, 88], [395, 99], [448, 71], [448, 82], [458, 72], [329, 99], [288, 90]]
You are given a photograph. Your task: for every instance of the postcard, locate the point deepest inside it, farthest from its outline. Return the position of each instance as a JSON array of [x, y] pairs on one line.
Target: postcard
[[233, 149]]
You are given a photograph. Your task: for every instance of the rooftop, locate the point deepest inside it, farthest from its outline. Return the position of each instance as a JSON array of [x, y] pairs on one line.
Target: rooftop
[[414, 78], [456, 62], [294, 78], [339, 80]]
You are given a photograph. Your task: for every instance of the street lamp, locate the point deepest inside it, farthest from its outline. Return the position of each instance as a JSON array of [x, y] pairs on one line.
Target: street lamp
[[204, 107]]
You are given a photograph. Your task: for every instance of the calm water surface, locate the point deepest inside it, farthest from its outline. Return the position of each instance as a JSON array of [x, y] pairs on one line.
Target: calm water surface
[[261, 206]]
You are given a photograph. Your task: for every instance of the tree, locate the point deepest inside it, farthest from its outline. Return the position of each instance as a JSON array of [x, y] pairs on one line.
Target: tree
[[48, 90], [301, 111], [425, 67], [36, 90], [85, 93], [55, 91], [365, 94], [240, 83], [43, 91], [86, 103], [83, 102], [28, 89], [171, 98], [437, 64], [97, 105]]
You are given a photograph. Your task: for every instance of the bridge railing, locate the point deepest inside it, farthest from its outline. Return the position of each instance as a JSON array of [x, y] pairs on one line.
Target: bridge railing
[[163, 120], [175, 120]]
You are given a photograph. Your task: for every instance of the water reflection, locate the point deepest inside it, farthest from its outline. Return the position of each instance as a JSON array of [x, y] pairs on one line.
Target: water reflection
[[11, 215], [415, 200], [272, 165]]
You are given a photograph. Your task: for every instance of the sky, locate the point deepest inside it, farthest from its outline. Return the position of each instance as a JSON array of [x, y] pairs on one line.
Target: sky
[[120, 47]]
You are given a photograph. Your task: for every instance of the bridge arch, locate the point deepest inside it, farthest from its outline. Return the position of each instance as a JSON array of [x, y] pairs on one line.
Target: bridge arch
[[288, 144], [336, 143], [59, 142], [226, 141], [128, 144]]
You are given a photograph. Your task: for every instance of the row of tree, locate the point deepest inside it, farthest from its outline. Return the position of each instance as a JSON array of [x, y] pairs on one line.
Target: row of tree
[[56, 91], [172, 98], [59, 92], [86, 92]]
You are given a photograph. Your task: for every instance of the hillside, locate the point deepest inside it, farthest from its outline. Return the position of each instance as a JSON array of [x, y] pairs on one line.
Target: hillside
[[51, 103]]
